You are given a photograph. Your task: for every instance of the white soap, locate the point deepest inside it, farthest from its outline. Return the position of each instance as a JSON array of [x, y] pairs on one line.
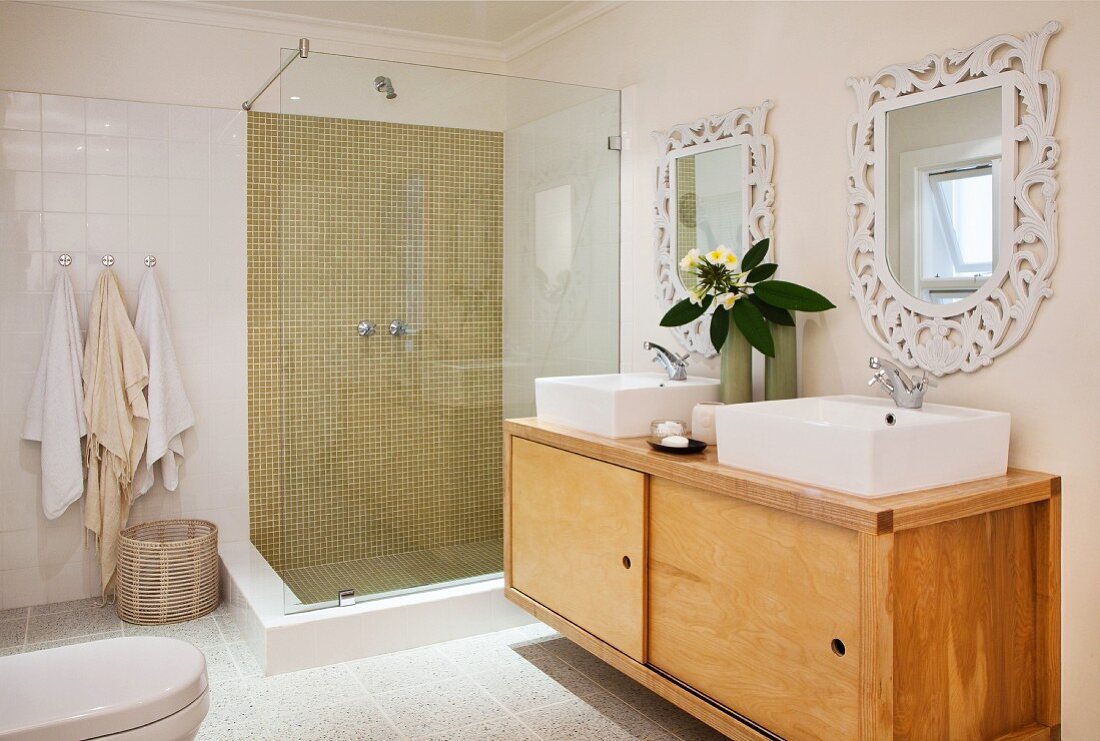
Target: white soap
[[675, 441]]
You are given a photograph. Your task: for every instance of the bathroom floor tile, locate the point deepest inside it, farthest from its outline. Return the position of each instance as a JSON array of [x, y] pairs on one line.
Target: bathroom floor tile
[[520, 688], [61, 625], [202, 632], [575, 719], [13, 633], [247, 664], [360, 719], [73, 641], [522, 684], [220, 665], [14, 613], [397, 671], [440, 706], [509, 729]]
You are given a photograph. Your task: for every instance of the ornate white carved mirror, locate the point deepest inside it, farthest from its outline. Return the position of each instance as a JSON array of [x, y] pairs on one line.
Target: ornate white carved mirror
[[952, 214], [714, 187]]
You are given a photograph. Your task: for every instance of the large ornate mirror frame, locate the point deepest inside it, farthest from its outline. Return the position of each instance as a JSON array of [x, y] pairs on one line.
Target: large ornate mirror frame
[[968, 335], [744, 126]]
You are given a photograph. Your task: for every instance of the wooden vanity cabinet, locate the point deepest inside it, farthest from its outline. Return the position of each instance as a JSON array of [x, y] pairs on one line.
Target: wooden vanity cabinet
[[757, 609], [577, 534], [771, 610]]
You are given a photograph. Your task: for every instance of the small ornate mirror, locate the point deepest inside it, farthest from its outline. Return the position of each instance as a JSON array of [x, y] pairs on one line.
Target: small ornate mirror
[[714, 187], [951, 236]]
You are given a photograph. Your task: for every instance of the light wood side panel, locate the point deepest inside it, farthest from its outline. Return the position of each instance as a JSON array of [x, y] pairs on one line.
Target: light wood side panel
[[876, 677], [647, 677], [744, 602], [573, 521], [1048, 609], [965, 627]]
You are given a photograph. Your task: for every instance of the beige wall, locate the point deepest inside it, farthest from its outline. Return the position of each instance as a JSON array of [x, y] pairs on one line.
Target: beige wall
[[687, 60]]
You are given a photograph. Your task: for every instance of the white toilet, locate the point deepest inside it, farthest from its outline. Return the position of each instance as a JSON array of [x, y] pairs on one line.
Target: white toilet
[[120, 688]]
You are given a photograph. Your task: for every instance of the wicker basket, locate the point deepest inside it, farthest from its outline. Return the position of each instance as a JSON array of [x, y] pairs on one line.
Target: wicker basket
[[167, 571]]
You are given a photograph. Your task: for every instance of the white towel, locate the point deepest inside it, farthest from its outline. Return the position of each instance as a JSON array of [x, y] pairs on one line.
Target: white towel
[[55, 414], [170, 412]]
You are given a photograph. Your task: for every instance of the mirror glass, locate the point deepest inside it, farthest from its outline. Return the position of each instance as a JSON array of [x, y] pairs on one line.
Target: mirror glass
[[709, 210], [944, 195]]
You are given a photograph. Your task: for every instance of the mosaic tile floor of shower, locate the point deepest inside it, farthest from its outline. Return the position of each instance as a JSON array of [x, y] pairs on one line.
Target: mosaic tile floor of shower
[[396, 572]]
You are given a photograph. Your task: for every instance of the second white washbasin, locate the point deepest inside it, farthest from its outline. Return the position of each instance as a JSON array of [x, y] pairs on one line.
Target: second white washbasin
[[619, 404], [863, 445]]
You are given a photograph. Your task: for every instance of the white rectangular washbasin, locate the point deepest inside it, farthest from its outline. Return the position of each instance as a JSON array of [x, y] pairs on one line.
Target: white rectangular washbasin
[[863, 445], [619, 404]]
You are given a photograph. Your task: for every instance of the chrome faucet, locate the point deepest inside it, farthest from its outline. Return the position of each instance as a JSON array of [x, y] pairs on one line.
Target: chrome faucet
[[906, 393], [675, 365]]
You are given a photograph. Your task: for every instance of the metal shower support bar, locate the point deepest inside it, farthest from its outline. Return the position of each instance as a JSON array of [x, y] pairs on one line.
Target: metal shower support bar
[[303, 52]]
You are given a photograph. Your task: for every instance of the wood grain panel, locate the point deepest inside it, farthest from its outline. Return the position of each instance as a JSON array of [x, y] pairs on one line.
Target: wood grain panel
[[876, 673], [872, 515], [687, 701], [573, 521], [744, 602], [1048, 610], [965, 627]]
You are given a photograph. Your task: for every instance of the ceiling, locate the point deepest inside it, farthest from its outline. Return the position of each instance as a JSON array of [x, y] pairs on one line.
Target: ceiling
[[492, 21]]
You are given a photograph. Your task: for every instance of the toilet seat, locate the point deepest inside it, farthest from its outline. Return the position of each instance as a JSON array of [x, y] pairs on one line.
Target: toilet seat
[[115, 688]]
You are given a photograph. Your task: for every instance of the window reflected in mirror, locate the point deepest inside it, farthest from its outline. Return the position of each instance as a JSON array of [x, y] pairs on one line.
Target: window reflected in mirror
[[944, 194], [709, 207]]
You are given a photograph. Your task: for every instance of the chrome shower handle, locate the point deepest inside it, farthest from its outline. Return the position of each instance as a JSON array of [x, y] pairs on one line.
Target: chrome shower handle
[[399, 328]]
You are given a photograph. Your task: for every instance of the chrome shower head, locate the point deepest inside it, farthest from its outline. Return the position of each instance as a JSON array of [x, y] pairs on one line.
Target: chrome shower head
[[384, 85]]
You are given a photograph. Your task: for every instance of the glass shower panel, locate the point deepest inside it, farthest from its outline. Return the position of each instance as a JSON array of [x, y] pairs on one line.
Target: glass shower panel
[[423, 242]]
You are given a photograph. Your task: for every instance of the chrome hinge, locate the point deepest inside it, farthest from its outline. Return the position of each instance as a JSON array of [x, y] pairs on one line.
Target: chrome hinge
[[347, 597], [615, 143]]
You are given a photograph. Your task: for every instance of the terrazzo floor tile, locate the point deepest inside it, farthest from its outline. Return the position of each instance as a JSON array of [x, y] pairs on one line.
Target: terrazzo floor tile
[[310, 688], [627, 718], [440, 706], [228, 627], [397, 671], [73, 641], [485, 652], [575, 719], [201, 632], [220, 665], [352, 721], [509, 729], [522, 684], [247, 664], [520, 688], [13, 633], [14, 613], [58, 626]]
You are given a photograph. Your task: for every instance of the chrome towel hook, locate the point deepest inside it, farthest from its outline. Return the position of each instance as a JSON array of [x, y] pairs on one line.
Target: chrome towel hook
[[150, 261], [65, 260], [108, 260]]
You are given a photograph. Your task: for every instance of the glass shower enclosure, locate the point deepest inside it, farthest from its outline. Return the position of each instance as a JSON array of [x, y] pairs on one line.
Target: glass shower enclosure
[[423, 243]]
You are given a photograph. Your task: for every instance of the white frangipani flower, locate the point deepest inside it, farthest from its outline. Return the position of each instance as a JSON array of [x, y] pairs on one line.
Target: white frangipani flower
[[690, 261], [727, 300]]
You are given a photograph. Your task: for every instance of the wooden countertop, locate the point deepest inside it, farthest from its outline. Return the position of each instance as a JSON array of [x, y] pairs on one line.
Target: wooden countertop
[[872, 515]]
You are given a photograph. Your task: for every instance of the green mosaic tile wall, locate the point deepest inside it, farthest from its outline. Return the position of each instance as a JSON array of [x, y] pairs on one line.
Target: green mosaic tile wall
[[368, 447]]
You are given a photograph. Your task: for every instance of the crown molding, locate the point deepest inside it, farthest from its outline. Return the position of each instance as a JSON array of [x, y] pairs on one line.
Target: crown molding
[[554, 25], [362, 34]]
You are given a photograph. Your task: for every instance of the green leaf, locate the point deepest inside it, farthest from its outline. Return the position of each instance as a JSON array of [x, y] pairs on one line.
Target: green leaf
[[719, 327], [773, 314], [753, 257], [784, 295], [685, 312], [752, 325], [762, 272]]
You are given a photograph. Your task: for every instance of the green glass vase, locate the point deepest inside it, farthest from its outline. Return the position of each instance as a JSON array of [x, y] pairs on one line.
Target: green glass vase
[[781, 372], [736, 368]]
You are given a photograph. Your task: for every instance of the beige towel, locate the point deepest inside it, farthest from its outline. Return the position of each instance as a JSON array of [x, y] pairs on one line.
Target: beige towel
[[115, 374]]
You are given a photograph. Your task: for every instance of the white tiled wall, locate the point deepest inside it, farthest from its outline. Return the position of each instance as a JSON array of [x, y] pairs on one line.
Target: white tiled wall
[[90, 177]]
